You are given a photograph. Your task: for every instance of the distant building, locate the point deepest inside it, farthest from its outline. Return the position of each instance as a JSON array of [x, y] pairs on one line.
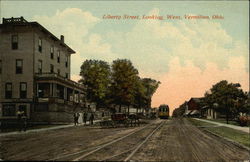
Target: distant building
[[194, 106], [35, 74]]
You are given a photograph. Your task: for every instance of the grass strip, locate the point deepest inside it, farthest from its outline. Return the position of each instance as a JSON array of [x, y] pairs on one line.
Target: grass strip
[[232, 134], [224, 121]]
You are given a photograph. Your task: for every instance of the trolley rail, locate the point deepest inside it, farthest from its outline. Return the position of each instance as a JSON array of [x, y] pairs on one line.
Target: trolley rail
[[131, 151], [83, 154]]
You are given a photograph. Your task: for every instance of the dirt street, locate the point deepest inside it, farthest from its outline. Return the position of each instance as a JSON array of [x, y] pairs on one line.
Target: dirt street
[[173, 140], [178, 140], [50, 145]]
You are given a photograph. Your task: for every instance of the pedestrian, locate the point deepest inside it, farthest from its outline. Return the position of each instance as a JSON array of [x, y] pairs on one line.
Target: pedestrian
[[19, 120], [85, 117], [24, 122], [92, 118], [76, 117]]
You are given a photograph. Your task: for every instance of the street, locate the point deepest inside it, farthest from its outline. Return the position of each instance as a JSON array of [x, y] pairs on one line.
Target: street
[[159, 140]]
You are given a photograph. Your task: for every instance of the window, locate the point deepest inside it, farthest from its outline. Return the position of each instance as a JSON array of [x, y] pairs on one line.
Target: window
[[8, 90], [58, 71], [66, 75], [40, 45], [23, 90], [19, 66], [51, 68], [58, 56], [40, 66], [66, 62], [0, 66], [14, 42], [52, 52], [9, 110]]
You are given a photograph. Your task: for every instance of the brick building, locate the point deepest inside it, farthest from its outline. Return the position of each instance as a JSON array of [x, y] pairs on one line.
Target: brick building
[[35, 74]]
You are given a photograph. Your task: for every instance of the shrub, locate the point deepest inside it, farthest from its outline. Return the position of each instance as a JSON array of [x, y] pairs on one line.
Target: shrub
[[244, 120]]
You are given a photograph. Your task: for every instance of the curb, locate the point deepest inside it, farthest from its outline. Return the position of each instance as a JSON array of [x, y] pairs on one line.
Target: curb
[[228, 140]]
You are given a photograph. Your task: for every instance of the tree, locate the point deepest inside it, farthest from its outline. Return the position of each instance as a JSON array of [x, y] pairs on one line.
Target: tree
[[225, 95], [140, 95], [124, 79], [96, 77], [151, 86]]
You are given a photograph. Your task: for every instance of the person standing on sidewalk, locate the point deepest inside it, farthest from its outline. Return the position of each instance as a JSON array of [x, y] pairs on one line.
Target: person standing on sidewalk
[[24, 122], [85, 117], [92, 118], [76, 117], [19, 120]]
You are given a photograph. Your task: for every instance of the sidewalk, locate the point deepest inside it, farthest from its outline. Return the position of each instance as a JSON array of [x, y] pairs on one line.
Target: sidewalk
[[43, 129], [244, 129]]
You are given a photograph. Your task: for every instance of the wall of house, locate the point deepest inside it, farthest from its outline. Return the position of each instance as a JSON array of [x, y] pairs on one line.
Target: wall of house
[[8, 57], [45, 56]]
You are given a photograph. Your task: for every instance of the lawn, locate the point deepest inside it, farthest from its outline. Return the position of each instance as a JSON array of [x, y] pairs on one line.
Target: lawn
[[224, 121], [235, 135]]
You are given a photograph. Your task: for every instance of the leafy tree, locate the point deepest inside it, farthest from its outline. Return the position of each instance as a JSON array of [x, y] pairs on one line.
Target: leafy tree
[[225, 95], [124, 80], [244, 104], [96, 77], [140, 95], [151, 86]]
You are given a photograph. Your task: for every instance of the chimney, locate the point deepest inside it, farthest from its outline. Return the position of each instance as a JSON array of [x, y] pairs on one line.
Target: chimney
[[62, 38]]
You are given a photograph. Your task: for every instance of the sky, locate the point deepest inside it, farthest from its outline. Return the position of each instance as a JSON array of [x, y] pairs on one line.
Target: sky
[[187, 56]]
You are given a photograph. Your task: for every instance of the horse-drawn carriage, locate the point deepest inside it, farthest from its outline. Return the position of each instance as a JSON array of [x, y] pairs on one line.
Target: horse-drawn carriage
[[120, 119]]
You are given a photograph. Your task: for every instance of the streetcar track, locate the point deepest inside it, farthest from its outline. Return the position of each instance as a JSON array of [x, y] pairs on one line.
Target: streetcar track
[[140, 145], [136, 147], [98, 147]]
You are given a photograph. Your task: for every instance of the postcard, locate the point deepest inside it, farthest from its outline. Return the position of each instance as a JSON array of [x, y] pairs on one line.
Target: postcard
[[110, 80]]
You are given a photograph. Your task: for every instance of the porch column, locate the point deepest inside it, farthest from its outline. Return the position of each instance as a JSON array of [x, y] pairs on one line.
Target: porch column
[[54, 90], [73, 95], [51, 89], [65, 93], [79, 97], [37, 89]]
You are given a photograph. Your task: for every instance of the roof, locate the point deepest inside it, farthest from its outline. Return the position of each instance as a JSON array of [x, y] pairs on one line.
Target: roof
[[22, 22], [197, 100]]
